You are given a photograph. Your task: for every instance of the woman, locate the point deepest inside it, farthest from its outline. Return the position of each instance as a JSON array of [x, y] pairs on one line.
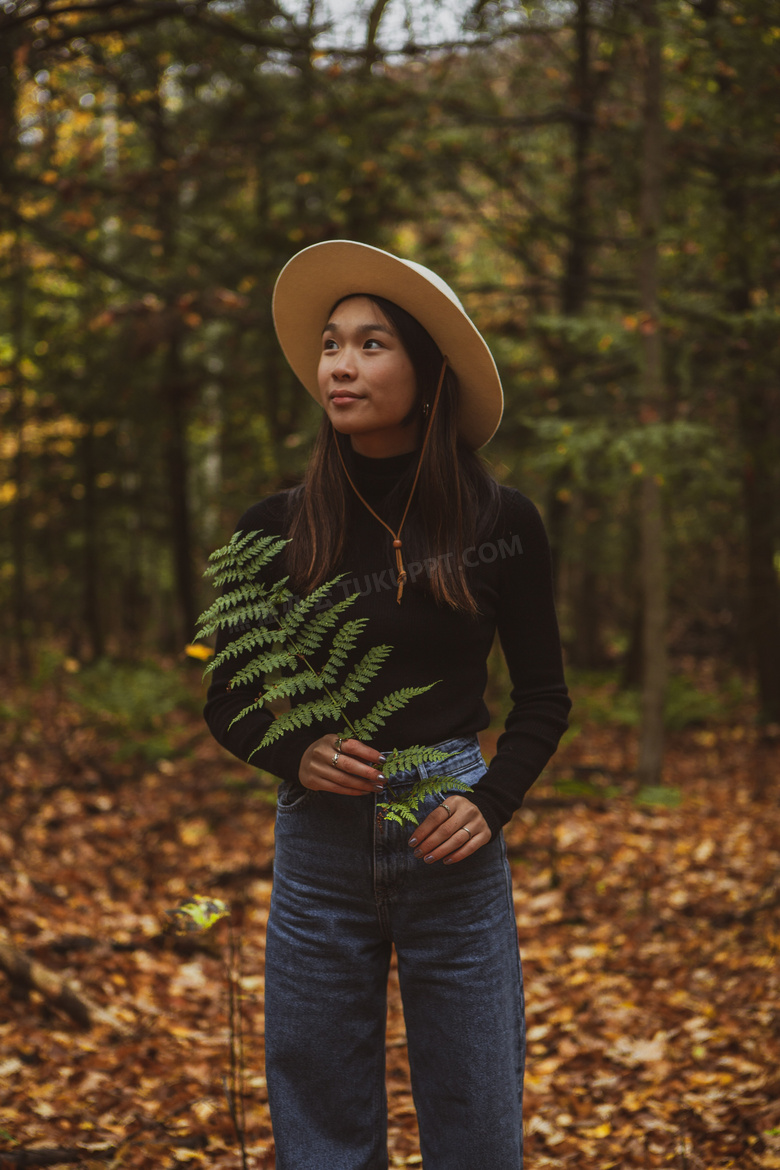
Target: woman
[[443, 558]]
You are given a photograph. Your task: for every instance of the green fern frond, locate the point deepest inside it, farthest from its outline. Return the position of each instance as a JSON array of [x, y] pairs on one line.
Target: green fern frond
[[344, 641], [302, 715], [241, 615], [246, 591], [250, 592], [249, 674], [262, 667], [262, 607], [293, 684], [254, 640], [411, 758], [248, 550], [361, 675], [295, 615], [314, 632], [279, 632], [231, 572], [404, 806], [367, 726], [230, 552]]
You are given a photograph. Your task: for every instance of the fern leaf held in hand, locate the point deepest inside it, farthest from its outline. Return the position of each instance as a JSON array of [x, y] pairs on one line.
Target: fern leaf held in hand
[[275, 634]]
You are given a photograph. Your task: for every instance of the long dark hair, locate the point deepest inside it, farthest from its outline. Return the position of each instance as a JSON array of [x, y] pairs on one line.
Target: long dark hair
[[455, 502]]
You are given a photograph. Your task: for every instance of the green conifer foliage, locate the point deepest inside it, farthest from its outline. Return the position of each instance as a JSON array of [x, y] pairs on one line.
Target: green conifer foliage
[[276, 633]]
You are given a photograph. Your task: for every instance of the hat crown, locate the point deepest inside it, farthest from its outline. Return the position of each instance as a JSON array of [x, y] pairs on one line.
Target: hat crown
[[434, 279]]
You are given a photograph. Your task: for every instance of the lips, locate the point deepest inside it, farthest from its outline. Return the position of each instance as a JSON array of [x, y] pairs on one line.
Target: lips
[[344, 396]]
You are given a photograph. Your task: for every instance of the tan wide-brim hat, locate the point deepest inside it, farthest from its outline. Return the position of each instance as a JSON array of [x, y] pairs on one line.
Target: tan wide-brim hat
[[311, 283]]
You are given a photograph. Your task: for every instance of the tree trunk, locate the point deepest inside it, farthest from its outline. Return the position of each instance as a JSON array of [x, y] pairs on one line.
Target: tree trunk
[[91, 593], [757, 407], [586, 646], [654, 667], [175, 395], [758, 432], [174, 388], [15, 420], [20, 605], [574, 285]]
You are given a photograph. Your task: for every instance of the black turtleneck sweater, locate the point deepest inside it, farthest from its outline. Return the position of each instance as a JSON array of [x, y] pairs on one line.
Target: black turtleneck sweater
[[509, 574]]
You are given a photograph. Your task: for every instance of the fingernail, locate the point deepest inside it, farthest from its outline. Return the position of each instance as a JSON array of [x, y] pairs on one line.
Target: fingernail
[[418, 853], [429, 857], [382, 757], [379, 787], [379, 776], [412, 840], [447, 860]]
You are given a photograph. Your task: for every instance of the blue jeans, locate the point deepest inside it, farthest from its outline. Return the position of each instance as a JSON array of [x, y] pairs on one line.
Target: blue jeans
[[346, 888]]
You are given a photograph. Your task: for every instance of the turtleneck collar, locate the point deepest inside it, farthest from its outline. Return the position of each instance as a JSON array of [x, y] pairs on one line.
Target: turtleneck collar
[[379, 476]]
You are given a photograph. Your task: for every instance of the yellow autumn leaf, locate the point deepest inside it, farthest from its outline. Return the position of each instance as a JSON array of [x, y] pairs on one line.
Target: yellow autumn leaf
[[194, 832], [198, 650], [600, 1131]]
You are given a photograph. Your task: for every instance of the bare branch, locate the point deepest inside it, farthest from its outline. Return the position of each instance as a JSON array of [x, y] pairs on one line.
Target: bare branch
[[28, 973]]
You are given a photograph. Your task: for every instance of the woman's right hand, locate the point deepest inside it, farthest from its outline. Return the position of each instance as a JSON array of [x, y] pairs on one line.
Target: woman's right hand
[[352, 769]]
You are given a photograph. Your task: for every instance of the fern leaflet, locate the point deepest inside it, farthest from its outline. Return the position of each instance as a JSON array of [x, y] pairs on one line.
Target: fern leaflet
[[367, 727]]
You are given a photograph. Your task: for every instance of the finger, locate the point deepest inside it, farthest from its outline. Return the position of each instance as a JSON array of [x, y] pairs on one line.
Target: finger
[[327, 779], [433, 822], [447, 838], [344, 781], [461, 844], [361, 751], [343, 768], [452, 851]]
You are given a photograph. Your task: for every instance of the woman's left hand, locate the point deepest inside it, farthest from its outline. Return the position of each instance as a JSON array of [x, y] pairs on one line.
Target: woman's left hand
[[451, 832]]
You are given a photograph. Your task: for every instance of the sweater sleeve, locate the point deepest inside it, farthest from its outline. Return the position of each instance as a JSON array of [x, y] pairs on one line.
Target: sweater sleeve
[[528, 630], [224, 703]]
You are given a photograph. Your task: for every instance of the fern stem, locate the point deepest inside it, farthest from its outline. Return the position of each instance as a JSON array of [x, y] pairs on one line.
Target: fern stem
[[317, 674]]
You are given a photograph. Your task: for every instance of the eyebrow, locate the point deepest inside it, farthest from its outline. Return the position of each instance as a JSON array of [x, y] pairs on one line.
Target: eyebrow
[[374, 327]]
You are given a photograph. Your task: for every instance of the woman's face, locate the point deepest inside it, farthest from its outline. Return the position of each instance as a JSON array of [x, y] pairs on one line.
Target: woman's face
[[366, 380]]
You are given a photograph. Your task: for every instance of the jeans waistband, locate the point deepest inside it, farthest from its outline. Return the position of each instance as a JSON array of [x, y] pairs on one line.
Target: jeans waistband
[[463, 752]]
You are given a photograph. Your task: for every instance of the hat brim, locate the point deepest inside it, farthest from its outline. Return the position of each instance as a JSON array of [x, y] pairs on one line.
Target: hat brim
[[314, 279]]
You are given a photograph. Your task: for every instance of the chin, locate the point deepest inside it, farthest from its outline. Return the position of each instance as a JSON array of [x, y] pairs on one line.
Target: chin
[[342, 427]]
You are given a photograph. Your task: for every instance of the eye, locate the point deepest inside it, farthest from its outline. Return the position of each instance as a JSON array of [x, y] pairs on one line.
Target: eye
[[372, 342], [329, 343]]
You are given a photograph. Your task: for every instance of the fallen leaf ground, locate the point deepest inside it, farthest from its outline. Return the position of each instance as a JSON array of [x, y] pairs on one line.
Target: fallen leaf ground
[[649, 934]]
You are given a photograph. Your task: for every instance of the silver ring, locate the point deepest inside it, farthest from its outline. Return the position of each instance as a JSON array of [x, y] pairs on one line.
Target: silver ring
[[464, 830], [449, 810], [339, 741], [335, 760]]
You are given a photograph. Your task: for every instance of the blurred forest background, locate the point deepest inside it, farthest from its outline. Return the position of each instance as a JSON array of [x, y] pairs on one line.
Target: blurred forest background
[[599, 180]]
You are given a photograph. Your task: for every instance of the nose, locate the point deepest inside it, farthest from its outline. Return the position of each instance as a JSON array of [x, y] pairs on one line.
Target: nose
[[343, 369]]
